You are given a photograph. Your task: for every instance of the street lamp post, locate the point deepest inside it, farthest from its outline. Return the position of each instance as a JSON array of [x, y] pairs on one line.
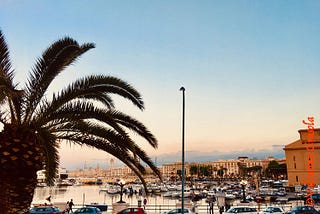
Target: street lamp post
[[121, 183], [182, 170], [243, 184]]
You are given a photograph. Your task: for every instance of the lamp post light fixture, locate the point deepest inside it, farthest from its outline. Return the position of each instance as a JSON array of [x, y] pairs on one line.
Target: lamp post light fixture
[[121, 184], [243, 184]]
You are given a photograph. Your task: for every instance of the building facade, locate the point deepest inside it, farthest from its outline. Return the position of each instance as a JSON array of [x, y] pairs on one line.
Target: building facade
[[303, 158]]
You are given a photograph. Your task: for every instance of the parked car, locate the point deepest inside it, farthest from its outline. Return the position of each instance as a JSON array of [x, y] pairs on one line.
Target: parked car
[[179, 211], [242, 210], [132, 210], [87, 210], [273, 210], [45, 210], [303, 210]]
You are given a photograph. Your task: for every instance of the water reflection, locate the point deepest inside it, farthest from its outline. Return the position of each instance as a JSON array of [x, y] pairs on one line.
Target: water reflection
[[93, 194]]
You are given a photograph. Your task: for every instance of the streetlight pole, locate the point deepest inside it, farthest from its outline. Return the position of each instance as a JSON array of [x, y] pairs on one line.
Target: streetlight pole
[[182, 171], [243, 183], [121, 183]]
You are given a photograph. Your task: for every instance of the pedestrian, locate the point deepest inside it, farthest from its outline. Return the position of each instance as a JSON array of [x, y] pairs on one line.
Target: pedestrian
[[144, 203], [211, 207], [70, 205], [221, 209], [227, 205], [66, 209]]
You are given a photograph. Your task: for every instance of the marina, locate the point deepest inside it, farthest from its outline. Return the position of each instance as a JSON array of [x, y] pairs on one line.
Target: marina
[[159, 200]]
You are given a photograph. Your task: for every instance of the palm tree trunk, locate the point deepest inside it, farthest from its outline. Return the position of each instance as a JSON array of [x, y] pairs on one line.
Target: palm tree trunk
[[16, 191], [20, 159]]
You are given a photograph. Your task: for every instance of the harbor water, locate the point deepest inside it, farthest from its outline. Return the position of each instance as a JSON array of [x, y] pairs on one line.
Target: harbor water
[[156, 203], [84, 195]]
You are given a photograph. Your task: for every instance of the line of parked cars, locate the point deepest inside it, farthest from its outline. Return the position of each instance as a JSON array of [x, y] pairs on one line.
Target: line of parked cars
[[56, 210], [140, 210], [273, 210]]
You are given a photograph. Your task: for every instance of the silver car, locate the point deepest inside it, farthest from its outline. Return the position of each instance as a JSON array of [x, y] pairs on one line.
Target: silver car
[[242, 210], [179, 211], [273, 210]]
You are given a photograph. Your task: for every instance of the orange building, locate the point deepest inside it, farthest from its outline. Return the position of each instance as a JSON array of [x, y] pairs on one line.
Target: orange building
[[303, 158]]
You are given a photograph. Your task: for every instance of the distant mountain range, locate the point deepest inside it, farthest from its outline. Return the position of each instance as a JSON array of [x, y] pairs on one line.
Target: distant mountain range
[[198, 156]]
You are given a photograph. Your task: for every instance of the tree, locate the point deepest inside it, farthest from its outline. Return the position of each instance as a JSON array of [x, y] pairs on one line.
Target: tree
[[220, 172], [193, 169], [83, 113], [275, 170], [205, 171]]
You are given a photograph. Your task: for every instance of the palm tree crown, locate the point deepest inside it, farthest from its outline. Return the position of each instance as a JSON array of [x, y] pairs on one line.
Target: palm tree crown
[[82, 113]]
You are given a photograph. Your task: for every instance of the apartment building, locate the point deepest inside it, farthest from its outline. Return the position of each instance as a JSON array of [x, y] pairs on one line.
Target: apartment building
[[303, 158]]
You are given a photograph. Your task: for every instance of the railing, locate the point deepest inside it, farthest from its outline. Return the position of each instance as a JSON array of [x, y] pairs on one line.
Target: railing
[[203, 208]]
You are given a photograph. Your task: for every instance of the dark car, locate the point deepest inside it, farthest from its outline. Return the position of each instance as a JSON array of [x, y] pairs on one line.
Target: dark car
[[87, 210], [45, 210], [303, 210], [132, 210]]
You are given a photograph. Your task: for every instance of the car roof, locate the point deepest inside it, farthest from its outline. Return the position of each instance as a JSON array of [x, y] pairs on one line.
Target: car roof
[[242, 207]]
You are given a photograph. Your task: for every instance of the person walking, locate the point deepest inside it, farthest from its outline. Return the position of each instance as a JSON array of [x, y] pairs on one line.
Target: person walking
[[144, 203], [66, 209], [70, 205], [211, 207]]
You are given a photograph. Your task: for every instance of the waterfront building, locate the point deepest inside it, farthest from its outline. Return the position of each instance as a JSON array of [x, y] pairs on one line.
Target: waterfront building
[[303, 158], [230, 167], [173, 169]]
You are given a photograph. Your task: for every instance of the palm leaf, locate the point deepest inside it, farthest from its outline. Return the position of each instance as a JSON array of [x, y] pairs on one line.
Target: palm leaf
[[134, 125], [50, 146], [56, 58]]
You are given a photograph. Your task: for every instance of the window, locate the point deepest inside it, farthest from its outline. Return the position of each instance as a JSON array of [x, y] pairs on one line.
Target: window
[[276, 209], [297, 178]]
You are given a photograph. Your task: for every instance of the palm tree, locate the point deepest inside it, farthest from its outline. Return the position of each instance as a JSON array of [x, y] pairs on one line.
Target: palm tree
[[83, 113]]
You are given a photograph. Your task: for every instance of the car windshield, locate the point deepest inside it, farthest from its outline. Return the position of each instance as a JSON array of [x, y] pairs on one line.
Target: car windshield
[[84, 210], [178, 211], [42, 209], [241, 209], [233, 210]]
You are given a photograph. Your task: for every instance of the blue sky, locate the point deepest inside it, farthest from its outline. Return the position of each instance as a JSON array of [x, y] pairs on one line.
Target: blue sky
[[250, 68]]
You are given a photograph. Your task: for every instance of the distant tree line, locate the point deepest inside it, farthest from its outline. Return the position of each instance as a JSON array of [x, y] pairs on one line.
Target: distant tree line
[[274, 170]]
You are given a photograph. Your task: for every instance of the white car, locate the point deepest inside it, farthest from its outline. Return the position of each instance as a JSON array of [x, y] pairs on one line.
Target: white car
[[179, 211], [242, 210], [273, 210]]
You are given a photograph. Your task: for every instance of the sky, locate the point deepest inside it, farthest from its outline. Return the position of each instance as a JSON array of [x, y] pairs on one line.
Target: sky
[[250, 68]]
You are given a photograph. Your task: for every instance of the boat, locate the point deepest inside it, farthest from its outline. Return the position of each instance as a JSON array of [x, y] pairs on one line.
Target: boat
[[167, 194], [163, 188], [113, 190], [171, 187]]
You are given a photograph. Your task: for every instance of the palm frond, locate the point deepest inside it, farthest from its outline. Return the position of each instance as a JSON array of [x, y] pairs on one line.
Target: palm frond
[[50, 146], [101, 144], [95, 88], [6, 73], [109, 137], [8, 92], [95, 131], [134, 125], [75, 111], [145, 158], [114, 85], [56, 58]]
